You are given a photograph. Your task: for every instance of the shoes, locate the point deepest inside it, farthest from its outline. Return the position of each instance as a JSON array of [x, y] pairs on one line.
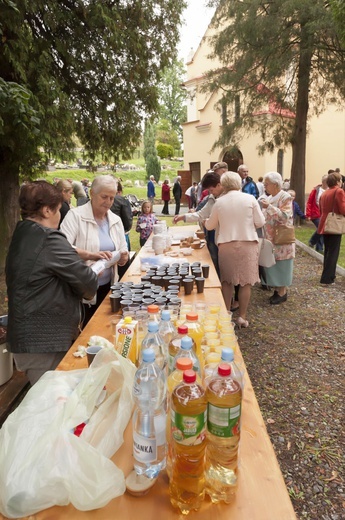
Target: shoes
[[273, 295], [276, 299], [242, 323], [234, 309], [327, 284], [311, 245]]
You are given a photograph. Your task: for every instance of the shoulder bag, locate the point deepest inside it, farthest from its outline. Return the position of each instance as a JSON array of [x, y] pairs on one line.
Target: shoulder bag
[[266, 253], [283, 234], [334, 223]]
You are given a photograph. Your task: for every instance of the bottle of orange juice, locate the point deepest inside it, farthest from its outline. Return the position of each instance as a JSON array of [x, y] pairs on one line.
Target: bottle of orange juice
[[126, 338], [196, 332]]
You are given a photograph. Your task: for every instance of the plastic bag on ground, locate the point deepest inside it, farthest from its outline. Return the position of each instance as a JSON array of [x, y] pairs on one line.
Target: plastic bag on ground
[[43, 463]]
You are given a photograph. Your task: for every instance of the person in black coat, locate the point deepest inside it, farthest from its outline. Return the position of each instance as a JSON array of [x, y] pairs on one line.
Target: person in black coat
[[177, 193], [122, 208]]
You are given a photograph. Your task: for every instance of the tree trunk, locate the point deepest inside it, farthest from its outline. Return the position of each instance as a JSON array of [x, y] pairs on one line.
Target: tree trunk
[[299, 139], [9, 209]]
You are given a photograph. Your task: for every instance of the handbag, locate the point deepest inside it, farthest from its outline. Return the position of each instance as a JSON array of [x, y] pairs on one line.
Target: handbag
[[334, 223], [283, 234], [266, 253]]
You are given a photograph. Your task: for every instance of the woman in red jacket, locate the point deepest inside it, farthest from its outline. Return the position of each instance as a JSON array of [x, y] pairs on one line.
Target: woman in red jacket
[[165, 196], [332, 199]]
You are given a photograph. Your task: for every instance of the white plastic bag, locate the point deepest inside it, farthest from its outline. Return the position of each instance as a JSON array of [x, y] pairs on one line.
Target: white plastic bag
[[43, 463]]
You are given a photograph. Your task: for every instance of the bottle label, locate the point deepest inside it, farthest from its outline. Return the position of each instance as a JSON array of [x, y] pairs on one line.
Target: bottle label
[[189, 430], [223, 422], [144, 449]]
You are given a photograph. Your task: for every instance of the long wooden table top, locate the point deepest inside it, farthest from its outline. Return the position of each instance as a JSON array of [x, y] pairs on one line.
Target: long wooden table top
[[198, 255], [261, 495]]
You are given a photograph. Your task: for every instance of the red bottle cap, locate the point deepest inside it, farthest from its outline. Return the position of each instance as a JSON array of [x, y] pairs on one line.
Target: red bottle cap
[[182, 329], [152, 308], [189, 376], [224, 369], [184, 363], [192, 316]]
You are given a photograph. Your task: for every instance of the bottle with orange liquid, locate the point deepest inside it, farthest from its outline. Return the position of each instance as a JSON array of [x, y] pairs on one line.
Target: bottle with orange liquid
[[196, 332], [188, 441], [175, 345], [224, 397]]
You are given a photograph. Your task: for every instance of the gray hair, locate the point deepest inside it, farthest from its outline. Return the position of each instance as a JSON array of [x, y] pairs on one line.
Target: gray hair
[[231, 181], [103, 182], [274, 178], [242, 167], [64, 184]]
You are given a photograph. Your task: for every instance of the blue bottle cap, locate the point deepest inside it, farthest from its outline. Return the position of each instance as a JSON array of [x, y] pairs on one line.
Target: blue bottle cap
[[186, 343], [227, 354], [165, 315], [148, 355], [152, 326]]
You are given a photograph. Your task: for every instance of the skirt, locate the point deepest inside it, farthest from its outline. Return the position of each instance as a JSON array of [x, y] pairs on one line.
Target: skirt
[[238, 262], [280, 274]]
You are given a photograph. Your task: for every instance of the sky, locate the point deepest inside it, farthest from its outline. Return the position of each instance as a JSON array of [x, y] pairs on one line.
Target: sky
[[196, 20]]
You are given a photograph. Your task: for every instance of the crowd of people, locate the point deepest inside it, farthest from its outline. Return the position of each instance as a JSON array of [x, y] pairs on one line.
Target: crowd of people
[[53, 290]]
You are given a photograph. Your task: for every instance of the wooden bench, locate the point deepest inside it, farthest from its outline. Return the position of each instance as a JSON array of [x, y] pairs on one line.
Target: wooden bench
[[11, 393]]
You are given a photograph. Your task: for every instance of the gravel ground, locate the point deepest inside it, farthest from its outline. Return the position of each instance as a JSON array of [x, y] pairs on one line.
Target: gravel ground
[[295, 356]]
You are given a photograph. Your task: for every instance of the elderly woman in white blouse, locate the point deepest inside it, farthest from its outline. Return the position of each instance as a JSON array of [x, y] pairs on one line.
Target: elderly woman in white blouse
[[96, 232], [236, 216]]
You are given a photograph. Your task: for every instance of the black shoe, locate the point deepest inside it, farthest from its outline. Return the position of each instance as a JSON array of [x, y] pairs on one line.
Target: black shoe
[[265, 287], [276, 300], [273, 295]]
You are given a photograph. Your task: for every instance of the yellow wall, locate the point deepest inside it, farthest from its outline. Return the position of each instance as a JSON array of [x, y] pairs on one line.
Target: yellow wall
[[325, 142]]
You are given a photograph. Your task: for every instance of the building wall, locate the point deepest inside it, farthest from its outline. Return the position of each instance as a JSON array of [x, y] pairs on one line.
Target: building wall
[[325, 143]]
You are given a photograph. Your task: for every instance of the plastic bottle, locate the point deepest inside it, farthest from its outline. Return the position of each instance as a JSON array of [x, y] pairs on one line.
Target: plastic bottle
[[175, 345], [154, 340], [149, 419], [196, 332], [226, 356], [186, 350], [154, 313], [224, 397], [188, 440], [166, 328]]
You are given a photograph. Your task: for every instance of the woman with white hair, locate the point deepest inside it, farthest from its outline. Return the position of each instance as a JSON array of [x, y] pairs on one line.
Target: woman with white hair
[[96, 232], [236, 216], [278, 209]]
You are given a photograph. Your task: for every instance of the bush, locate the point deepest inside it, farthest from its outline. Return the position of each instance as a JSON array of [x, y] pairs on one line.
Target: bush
[[165, 150]]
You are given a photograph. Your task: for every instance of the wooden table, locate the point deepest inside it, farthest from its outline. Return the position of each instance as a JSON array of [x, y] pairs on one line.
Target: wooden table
[[261, 495]]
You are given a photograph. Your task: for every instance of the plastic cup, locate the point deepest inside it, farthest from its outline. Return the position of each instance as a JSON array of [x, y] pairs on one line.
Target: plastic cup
[[205, 270], [200, 284], [115, 299], [188, 286], [91, 353]]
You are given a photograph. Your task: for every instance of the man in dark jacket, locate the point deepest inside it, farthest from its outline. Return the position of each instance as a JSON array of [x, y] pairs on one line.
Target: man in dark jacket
[[122, 208], [177, 193], [248, 185]]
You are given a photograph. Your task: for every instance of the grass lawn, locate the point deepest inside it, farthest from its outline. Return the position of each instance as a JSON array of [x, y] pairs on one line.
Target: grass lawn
[[304, 233]]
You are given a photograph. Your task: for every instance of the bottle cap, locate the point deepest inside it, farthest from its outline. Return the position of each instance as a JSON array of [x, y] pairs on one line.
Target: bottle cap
[[192, 316], [165, 315], [189, 376], [224, 369], [227, 354], [182, 329], [152, 309], [184, 363], [148, 355], [128, 319], [152, 326], [186, 343]]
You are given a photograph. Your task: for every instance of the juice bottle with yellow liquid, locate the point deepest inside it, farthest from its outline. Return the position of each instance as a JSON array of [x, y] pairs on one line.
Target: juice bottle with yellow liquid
[[126, 338], [224, 398], [196, 332], [188, 441]]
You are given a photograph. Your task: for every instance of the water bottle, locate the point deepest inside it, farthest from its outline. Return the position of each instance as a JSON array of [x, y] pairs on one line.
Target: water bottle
[[224, 398], [149, 419], [155, 341], [166, 328], [188, 441], [175, 345], [196, 332], [186, 350]]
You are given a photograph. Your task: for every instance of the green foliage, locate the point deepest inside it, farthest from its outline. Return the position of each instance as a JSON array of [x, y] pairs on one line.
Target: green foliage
[[338, 8], [172, 98], [87, 69], [153, 166], [165, 150], [167, 135], [283, 60]]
